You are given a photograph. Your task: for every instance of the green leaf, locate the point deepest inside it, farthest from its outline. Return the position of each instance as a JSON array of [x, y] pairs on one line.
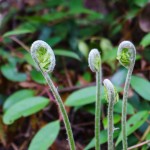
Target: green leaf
[[66, 53], [141, 86], [121, 75], [140, 3], [106, 45], [17, 97], [118, 108], [45, 137], [17, 32], [24, 108], [37, 77], [11, 73], [54, 40], [134, 123], [83, 48], [82, 97], [117, 118], [103, 139], [145, 40]]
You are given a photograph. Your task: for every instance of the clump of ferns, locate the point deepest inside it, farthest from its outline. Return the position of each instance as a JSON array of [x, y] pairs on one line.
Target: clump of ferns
[[126, 55], [44, 58], [112, 97], [94, 61]]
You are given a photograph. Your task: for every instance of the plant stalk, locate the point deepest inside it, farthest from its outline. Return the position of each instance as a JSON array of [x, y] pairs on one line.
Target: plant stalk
[[98, 109], [110, 120], [124, 106], [62, 110]]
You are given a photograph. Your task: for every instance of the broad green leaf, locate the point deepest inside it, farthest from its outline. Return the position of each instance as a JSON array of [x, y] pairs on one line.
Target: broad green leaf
[[45, 137], [103, 139], [82, 97], [17, 32], [118, 108], [11, 73], [66, 53], [145, 40], [141, 86], [17, 97], [24, 108], [38, 77], [134, 123]]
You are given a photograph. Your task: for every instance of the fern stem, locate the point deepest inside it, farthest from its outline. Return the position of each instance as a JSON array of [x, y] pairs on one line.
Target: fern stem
[[110, 121], [124, 106], [98, 109], [62, 109]]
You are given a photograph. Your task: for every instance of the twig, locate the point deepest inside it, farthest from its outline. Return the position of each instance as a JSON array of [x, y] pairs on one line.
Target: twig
[[20, 43], [145, 134], [66, 73], [70, 89], [139, 145]]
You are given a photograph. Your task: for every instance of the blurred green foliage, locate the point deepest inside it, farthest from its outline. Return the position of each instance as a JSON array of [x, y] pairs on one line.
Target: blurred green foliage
[[72, 28]]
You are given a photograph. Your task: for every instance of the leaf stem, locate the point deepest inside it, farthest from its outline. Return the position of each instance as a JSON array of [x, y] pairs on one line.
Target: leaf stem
[[62, 109], [98, 109]]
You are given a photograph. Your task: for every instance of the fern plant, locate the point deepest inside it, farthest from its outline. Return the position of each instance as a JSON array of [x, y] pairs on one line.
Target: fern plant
[[111, 96], [44, 58], [126, 55], [94, 60]]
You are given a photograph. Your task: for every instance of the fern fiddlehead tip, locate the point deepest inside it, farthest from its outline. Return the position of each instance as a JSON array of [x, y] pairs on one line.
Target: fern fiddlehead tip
[[94, 60], [42, 54]]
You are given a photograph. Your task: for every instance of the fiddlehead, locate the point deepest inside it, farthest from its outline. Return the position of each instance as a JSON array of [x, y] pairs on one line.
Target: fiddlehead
[[111, 96], [126, 55], [44, 58], [94, 60]]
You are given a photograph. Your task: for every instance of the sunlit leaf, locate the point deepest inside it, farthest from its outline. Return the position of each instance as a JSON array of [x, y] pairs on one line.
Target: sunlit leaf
[[17, 32], [45, 137], [24, 108], [141, 86], [11, 73], [66, 53], [134, 123], [82, 97], [145, 40], [17, 97]]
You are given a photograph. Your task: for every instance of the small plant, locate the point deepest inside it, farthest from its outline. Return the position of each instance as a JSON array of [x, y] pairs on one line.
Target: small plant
[[126, 55], [94, 60], [44, 58], [112, 98]]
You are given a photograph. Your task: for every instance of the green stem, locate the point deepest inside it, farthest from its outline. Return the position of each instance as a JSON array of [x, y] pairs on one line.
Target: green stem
[[98, 109], [124, 106], [62, 110], [110, 120]]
